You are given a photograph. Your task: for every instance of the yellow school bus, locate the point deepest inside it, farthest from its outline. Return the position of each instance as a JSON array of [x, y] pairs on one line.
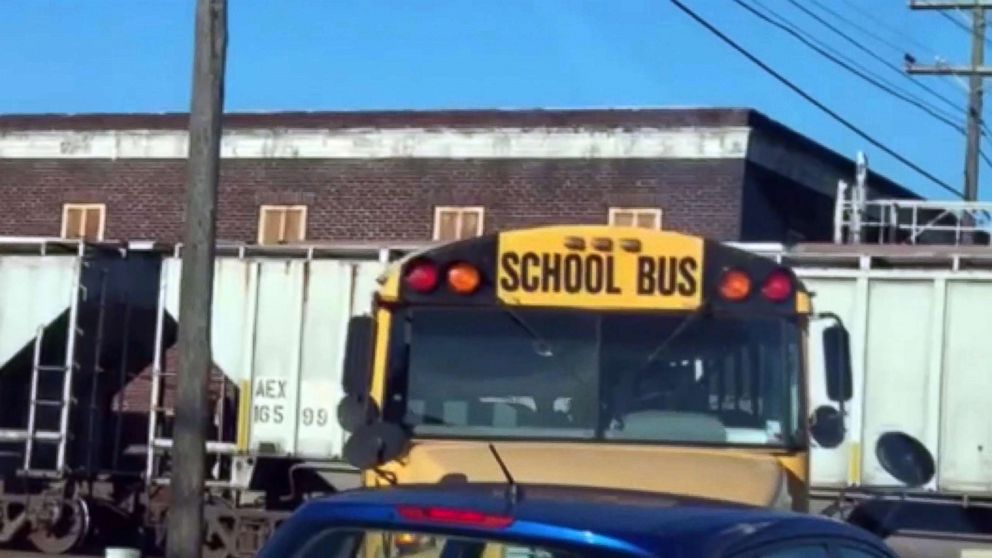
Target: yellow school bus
[[596, 356]]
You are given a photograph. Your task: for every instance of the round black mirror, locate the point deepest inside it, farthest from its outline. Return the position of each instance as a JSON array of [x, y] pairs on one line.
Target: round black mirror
[[371, 445], [355, 410], [826, 426], [905, 458]]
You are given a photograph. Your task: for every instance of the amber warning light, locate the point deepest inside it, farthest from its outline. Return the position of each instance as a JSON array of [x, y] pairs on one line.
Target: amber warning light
[[735, 285], [463, 278]]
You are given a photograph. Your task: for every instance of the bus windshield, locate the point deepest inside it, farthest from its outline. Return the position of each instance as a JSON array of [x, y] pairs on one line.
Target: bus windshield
[[565, 374]]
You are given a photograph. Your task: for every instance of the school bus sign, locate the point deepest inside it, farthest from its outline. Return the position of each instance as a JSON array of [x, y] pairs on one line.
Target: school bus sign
[[613, 268]]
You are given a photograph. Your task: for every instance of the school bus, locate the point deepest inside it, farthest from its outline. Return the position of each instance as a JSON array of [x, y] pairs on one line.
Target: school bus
[[597, 356]]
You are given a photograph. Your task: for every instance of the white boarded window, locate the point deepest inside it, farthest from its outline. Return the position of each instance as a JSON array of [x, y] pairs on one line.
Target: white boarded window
[[83, 220], [456, 223], [282, 224], [643, 217]]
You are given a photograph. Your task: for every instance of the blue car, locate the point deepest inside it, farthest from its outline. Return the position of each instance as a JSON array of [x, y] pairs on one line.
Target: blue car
[[485, 520]]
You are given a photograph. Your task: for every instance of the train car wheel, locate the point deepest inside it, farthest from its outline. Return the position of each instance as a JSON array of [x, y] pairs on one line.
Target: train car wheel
[[64, 534]]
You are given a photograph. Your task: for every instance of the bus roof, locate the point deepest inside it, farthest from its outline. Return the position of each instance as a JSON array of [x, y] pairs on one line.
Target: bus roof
[[593, 267]]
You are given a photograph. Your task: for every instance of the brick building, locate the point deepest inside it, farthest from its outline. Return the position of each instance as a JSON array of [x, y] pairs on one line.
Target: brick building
[[731, 174]]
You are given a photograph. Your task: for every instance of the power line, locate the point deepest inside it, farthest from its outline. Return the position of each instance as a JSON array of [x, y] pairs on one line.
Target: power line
[[878, 21], [975, 71], [956, 22], [869, 33], [802, 93], [857, 44], [855, 25], [962, 25], [986, 132], [953, 116], [849, 67]]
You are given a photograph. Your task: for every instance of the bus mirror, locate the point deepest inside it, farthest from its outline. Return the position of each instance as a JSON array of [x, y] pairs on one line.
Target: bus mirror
[[356, 410], [357, 368], [827, 427], [837, 363], [905, 458], [372, 445]]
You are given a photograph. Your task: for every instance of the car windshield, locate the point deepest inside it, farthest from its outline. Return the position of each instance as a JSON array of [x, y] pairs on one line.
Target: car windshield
[[362, 543], [528, 373]]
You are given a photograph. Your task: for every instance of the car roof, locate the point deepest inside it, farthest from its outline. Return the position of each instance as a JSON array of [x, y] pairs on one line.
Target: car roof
[[638, 522]]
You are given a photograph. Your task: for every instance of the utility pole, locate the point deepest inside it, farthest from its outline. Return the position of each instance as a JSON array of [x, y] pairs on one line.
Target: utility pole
[[185, 528], [976, 73]]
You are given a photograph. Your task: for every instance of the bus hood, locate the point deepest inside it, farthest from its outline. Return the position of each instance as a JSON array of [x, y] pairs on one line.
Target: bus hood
[[729, 475]]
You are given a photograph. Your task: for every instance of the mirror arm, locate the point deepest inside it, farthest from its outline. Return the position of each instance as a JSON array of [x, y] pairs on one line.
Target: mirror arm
[[827, 315]]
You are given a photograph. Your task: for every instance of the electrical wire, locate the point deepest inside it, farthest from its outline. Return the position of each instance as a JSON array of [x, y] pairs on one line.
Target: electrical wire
[[857, 44], [879, 22], [962, 23], [813, 100], [881, 40], [954, 21], [849, 67], [855, 25], [955, 114], [986, 132]]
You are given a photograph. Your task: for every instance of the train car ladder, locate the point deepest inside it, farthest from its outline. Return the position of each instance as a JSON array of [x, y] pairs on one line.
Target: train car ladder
[[64, 373], [60, 436], [159, 443]]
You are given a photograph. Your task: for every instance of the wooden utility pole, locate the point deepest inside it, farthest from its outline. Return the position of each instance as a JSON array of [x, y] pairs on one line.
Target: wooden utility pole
[[976, 73], [185, 529]]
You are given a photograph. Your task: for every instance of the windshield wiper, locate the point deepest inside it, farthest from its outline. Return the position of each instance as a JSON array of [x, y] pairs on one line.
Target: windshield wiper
[[624, 396], [679, 329], [540, 345]]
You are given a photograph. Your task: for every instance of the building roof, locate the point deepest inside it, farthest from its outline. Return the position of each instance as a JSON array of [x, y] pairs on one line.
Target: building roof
[[789, 144], [536, 118]]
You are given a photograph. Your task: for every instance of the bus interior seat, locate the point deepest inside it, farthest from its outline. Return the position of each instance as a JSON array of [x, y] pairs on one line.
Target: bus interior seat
[[503, 414], [672, 426]]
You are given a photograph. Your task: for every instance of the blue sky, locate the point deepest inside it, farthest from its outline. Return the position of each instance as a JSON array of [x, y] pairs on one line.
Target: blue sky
[[135, 55]]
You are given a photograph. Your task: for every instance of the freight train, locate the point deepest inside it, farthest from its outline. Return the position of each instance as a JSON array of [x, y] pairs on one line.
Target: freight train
[[87, 368], [88, 363]]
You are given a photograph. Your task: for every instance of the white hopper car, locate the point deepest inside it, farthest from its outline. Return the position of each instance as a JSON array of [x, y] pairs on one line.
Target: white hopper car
[[920, 342]]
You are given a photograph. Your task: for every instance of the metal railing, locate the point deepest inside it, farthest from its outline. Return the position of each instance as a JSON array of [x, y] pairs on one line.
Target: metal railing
[[894, 221]]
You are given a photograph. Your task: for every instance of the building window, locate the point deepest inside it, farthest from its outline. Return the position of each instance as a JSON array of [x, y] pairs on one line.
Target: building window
[[282, 224], [83, 220], [644, 217], [455, 223]]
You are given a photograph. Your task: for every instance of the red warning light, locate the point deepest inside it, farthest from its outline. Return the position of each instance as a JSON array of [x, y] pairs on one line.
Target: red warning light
[[421, 276], [778, 286]]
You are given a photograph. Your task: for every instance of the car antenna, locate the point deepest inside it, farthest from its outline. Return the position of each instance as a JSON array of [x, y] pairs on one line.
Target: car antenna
[[513, 492], [387, 476]]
